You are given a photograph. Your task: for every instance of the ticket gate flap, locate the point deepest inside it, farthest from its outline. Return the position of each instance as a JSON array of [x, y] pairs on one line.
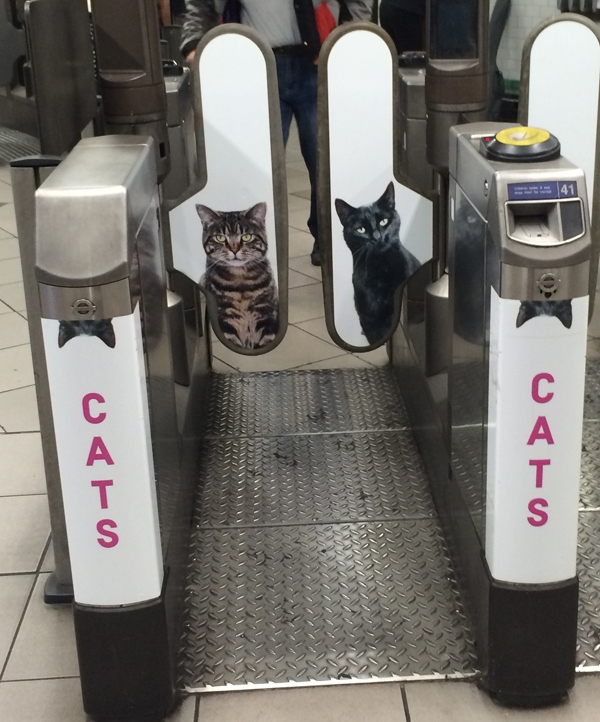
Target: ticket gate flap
[[90, 253], [228, 232], [375, 228]]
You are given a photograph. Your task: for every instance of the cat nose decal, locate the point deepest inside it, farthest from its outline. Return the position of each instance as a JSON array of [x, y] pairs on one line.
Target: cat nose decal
[[364, 273], [245, 284]]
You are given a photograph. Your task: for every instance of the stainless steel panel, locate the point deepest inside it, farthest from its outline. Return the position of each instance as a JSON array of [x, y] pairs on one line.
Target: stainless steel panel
[[12, 46], [104, 188], [109, 301]]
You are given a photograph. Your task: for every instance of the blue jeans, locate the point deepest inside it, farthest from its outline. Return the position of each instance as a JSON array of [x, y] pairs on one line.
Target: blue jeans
[[297, 80]]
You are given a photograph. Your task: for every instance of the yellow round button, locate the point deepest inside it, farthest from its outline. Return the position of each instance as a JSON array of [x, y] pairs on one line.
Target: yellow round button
[[522, 136]]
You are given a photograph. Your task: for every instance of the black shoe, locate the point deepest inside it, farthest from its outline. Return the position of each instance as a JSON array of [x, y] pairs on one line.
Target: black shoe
[[315, 255]]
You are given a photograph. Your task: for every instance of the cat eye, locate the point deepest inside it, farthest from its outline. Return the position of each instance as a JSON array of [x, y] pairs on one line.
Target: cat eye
[[246, 237], [220, 239], [384, 221], [362, 229]]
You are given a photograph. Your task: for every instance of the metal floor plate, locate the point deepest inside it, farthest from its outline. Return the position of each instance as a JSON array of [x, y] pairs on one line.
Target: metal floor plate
[[14, 144], [316, 555]]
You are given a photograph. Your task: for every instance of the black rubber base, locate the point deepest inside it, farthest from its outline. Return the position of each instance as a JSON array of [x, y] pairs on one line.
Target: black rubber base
[[124, 662], [532, 643], [57, 593]]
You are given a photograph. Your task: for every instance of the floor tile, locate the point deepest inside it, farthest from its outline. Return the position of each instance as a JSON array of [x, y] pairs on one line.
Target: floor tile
[[296, 203], [16, 368], [296, 348], [220, 367], [13, 295], [14, 591], [45, 645], [14, 330], [186, 712], [295, 280], [300, 244], [10, 271], [378, 357], [463, 702], [48, 563], [297, 165], [6, 195], [356, 703], [8, 222], [18, 410], [298, 219], [51, 700], [24, 531], [5, 309], [9, 248], [22, 465], [296, 181], [317, 327], [303, 194], [302, 264], [305, 303], [347, 361], [5, 173]]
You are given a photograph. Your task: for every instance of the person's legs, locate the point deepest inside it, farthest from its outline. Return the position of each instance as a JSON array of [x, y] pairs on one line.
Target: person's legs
[[304, 107], [406, 29], [285, 84]]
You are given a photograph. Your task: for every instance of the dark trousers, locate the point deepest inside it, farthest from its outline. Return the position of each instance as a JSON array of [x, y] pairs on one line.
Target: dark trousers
[[297, 78], [406, 29]]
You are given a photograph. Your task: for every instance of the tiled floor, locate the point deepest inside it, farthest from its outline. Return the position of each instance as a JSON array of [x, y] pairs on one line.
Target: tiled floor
[[38, 663]]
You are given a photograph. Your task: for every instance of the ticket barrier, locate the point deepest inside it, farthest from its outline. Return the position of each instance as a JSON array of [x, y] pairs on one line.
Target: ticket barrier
[[518, 278]]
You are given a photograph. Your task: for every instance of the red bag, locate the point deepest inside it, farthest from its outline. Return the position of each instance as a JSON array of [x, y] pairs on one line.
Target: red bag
[[325, 21]]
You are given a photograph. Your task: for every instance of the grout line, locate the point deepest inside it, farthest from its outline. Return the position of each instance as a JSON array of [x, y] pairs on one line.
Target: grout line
[[38, 679], [197, 709], [25, 608], [7, 391], [22, 496], [17, 574], [405, 703]]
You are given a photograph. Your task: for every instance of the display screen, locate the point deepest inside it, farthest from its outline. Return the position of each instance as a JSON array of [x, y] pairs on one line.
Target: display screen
[[454, 33]]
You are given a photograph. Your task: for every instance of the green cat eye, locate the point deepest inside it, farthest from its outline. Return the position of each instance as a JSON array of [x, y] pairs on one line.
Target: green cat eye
[[384, 222], [362, 229], [246, 237], [220, 239]]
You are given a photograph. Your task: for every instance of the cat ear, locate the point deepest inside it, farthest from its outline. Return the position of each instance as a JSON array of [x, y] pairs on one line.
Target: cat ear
[[107, 334], [257, 213], [344, 210], [207, 215], [565, 314], [526, 313], [389, 196], [65, 333]]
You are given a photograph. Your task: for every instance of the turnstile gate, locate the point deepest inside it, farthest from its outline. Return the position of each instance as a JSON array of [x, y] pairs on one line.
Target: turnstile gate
[[316, 550]]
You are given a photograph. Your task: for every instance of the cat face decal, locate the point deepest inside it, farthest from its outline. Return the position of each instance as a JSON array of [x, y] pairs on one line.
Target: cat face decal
[[561, 310], [239, 277], [102, 329], [234, 237], [377, 224]]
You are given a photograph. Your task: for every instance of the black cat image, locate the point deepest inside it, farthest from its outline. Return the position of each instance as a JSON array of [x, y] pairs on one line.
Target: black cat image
[[102, 329], [380, 262], [561, 310], [239, 275]]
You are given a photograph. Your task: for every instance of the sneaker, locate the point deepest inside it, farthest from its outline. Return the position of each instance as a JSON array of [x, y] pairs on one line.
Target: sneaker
[[315, 255]]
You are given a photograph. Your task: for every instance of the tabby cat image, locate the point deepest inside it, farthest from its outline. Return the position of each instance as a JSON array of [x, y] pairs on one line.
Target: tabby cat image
[[102, 329], [380, 262], [562, 310], [239, 276]]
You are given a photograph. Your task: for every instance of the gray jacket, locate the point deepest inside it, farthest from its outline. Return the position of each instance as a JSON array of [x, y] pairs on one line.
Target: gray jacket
[[202, 15]]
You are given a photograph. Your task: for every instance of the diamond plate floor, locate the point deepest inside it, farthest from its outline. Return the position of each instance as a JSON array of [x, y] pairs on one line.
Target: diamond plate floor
[[14, 144], [316, 555]]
